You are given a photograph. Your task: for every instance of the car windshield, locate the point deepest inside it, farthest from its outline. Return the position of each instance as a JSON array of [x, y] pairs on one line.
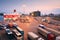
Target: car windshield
[[1, 26], [8, 30]]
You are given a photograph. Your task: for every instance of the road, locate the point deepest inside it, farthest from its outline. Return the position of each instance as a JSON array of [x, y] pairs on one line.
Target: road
[[30, 24], [3, 35], [53, 25]]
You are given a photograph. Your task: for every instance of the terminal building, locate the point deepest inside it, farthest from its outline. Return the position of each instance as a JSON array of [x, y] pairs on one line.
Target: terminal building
[[11, 16], [35, 14], [14, 15]]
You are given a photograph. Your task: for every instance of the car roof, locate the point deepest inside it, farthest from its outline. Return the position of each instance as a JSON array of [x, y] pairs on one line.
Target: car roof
[[41, 25]]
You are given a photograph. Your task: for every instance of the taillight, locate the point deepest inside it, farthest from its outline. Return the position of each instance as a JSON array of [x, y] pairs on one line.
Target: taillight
[[51, 36]]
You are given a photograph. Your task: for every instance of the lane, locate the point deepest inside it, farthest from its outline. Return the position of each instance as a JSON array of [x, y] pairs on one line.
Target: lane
[[3, 35], [53, 26], [33, 24], [28, 27]]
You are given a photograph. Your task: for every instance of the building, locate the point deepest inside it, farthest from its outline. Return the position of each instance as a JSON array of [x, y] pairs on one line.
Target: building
[[51, 15], [14, 15], [11, 15], [35, 13], [1, 17]]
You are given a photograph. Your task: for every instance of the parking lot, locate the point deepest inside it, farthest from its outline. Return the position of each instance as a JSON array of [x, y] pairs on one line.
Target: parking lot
[[29, 25], [3, 36]]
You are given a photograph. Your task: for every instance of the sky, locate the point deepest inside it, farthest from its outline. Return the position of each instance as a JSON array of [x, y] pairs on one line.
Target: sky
[[27, 6]]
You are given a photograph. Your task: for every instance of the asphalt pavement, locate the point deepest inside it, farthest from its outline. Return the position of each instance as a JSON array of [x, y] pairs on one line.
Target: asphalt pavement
[[28, 24]]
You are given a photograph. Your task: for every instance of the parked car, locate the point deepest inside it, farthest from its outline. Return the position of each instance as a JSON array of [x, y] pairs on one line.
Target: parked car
[[1, 27], [9, 34], [40, 25], [8, 31]]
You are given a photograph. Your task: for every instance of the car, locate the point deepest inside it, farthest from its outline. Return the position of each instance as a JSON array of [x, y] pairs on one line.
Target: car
[[43, 20], [9, 34], [1, 27], [11, 25], [8, 31], [40, 38], [5, 27], [40, 25], [15, 24]]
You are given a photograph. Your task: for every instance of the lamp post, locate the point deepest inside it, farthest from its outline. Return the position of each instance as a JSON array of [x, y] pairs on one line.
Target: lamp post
[[24, 7]]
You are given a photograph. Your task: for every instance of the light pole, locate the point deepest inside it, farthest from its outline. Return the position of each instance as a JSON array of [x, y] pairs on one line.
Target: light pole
[[24, 6]]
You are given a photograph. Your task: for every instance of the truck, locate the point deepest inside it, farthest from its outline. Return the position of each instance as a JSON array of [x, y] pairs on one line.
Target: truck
[[32, 36], [47, 34], [55, 32]]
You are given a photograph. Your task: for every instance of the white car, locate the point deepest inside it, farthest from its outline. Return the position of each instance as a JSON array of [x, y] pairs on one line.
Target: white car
[[58, 38], [43, 20], [42, 26], [40, 39]]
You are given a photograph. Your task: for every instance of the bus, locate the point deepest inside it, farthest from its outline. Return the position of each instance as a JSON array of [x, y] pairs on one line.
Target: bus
[[9, 34], [17, 35], [21, 31]]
